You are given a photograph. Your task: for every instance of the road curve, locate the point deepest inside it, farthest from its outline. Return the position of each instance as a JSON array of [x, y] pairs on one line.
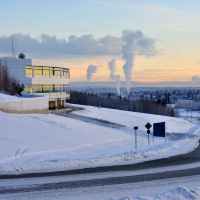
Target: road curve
[[100, 181], [93, 181], [188, 158]]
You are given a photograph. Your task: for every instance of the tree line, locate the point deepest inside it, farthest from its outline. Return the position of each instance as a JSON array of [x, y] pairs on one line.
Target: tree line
[[120, 103]]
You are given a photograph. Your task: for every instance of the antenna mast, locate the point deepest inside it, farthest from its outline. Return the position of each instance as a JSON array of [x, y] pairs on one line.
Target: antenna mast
[[13, 51], [12, 47]]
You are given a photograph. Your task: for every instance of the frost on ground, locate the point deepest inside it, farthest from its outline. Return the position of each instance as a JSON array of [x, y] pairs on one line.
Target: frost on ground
[[33, 143], [179, 193]]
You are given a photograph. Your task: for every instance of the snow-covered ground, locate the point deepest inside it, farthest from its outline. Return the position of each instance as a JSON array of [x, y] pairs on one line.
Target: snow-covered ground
[[178, 193], [180, 188], [24, 96], [189, 113], [31, 143], [131, 119], [5, 97]]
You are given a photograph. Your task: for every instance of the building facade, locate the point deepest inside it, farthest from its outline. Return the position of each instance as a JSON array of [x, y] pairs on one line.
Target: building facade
[[50, 81]]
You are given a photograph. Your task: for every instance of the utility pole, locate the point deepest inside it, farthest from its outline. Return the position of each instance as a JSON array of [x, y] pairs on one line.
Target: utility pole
[[12, 50]]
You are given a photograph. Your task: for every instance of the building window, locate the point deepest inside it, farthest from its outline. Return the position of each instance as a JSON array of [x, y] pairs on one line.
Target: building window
[[46, 88], [66, 88], [55, 72], [54, 88], [28, 71], [66, 74], [38, 71], [29, 89], [46, 71], [38, 89], [51, 72]]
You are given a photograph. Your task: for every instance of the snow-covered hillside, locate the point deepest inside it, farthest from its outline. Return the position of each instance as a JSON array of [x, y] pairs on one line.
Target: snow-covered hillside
[[30, 143], [131, 119]]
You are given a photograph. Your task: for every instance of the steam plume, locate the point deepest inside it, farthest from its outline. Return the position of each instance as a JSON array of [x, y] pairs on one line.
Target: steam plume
[[90, 71], [113, 75], [134, 42]]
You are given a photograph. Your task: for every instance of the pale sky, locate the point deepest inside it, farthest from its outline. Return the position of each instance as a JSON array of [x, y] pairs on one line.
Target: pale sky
[[172, 24]]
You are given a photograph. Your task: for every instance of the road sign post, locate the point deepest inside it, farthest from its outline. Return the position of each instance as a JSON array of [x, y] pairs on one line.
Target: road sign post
[[148, 132], [148, 127], [135, 128]]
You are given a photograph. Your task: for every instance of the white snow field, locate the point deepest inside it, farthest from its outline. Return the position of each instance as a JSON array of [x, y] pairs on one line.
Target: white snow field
[[36, 142], [5, 97], [179, 193], [131, 119]]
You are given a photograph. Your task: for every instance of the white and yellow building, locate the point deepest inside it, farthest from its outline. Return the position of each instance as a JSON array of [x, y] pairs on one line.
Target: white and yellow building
[[51, 81]]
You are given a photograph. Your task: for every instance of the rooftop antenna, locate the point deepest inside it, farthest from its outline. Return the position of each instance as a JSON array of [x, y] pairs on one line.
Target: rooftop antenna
[[13, 50]]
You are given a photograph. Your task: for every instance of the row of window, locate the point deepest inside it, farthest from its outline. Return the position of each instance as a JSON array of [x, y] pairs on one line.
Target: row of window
[[47, 88], [36, 71]]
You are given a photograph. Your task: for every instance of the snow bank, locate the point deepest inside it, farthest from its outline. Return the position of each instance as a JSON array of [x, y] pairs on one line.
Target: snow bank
[[14, 104], [5, 97], [179, 193]]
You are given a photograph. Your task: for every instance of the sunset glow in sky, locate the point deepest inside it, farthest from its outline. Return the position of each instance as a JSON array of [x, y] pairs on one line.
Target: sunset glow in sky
[[173, 25]]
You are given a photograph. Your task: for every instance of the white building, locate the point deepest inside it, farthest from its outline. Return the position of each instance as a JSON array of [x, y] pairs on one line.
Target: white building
[[46, 80]]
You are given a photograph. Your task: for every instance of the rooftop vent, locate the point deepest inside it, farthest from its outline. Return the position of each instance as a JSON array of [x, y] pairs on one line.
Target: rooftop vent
[[22, 56]]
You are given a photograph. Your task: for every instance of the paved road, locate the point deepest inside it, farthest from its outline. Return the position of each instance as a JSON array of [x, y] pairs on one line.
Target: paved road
[[192, 157], [100, 181]]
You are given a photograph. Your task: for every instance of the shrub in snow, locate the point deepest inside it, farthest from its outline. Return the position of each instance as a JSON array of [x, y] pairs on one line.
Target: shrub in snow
[[9, 84]]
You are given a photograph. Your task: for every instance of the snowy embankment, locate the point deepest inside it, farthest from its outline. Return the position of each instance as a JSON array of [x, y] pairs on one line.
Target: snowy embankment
[[179, 193], [28, 104], [34, 142], [5, 97]]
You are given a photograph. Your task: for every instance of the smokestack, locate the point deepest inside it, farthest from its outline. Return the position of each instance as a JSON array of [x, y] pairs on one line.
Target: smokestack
[[90, 71], [113, 75]]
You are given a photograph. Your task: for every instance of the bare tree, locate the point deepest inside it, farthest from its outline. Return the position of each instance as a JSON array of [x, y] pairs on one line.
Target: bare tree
[[9, 84]]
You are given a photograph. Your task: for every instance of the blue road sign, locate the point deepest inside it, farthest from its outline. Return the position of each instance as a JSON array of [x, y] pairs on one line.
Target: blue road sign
[[159, 129]]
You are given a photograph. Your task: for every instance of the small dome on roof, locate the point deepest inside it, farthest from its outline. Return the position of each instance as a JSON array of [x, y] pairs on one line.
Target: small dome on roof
[[22, 56]]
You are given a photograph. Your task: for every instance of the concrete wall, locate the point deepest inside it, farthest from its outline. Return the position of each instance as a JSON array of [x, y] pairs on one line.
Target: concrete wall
[[25, 105]]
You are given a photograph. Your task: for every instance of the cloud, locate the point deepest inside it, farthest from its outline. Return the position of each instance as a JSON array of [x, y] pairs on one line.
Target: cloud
[[196, 79], [52, 46], [140, 5], [157, 9], [88, 45]]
